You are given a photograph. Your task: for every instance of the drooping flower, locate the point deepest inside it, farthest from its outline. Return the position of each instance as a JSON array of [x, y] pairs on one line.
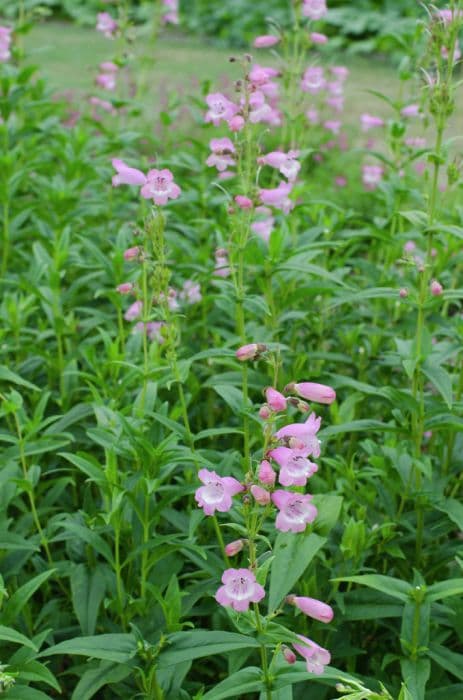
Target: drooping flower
[[244, 202], [278, 197], [302, 437], [125, 288], [106, 25], [217, 492], [320, 393], [265, 41], [314, 9], [160, 187], [286, 163], [125, 175], [133, 253], [220, 108], [275, 400], [294, 468], [312, 607], [260, 75], [234, 547], [295, 511], [316, 656], [239, 590], [260, 110]]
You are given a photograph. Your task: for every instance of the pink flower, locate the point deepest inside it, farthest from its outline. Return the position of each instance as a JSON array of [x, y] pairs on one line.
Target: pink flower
[[409, 247], [263, 227], [261, 496], [436, 288], [220, 108], [278, 197], [320, 393], [217, 492], [316, 656], [369, 121], [5, 44], [449, 16], [132, 253], [236, 123], [313, 80], [372, 176], [403, 292], [234, 547], [410, 111], [134, 311], [106, 81], [294, 468], [239, 590], [160, 187], [415, 142], [250, 352], [340, 72], [289, 655], [317, 38], [336, 102], [109, 67], [152, 330], [243, 202], [445, 53], [125, 288], [266, 40], [296, 510], [312, 607], [260, 75], [275, 400], [332, 125], [126, 175], [313, 116], [301, 437], [106, 25], [314, 9], [286, 163], [102, 104], [223, 145], [191, 292], [260, 110], [222, 268], [340, 181], [266, 474], [171, 16], [220, 156]]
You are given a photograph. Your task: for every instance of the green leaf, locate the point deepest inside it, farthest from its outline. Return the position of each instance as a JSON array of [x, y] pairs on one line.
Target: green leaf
[[416, 675], [364, 294], [118, 648], [23, 692], [35, 671], [7, 634], [445, 589], [329, 508], [96, 678], [386, 584], [88, 588], [454, 510], [231, 395], [246, 680], [10, 540], [20, 597], [449, 660], [361, 425], [440, 378], [184, 646], [293, 553], [7, 375], [415, 217]]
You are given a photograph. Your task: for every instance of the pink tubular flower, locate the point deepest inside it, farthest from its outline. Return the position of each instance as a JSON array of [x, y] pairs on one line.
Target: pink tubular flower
[[220, 108], [263, 227], [126, 175], [260, 75], [239, 590], [275, 400], [243, 202], [317, 38], [132, 253], [102, 104], [236, 123], [296, 510], [278, 197], [234, 547], [5, 44], [320, 393], [410, 111], [448, 16], [313, 80], [134, 311], [312, 607], [217, 492], [372, 176], [106, 25], [436, 288], [106, 81], [316, 656], [191, 292], [301, 437], [125, 288], [314, 9], [222, 268], [286, 163], [220, 156], [265, 41], [250, 352], [160, 187], [294, 468], [266, 474], [340, 72], [368, 121], [152, 330], [289, 655], [260, 110], [260, 495], [171, 16], [332, 125]]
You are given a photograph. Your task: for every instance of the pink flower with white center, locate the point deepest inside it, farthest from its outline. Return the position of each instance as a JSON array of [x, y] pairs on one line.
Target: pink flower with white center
[[296, 511], [313, 116], [340, 72], [372, 176], [160, 187], [317, 38], [369, 121], [106, 25], [313, 80], [217, 492], [286, 163], [278, 197], [436, 288], [302, 437], [106, 81], [152, 330], [244, 202], [320, 393], [275, 400], [260, 495], [266, 474], [260, 110], [332, 125], [234, 547], [134, 311], [239, 590], [220, 108], [125, 175], [171, 16], [263, 227], [133, 253], [260, 75], [312, 607], [191, 292], [410, 111], [125, 288], [314, 9], [265, 41], [294, 468], [221, 161], [316, 656]]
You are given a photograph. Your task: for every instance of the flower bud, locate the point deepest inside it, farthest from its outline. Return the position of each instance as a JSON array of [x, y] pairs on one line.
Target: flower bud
[[436, 288], [276, 401], [266, 474], [243, 202], [125, 288], [236, 123], [312, 607], [234, 547], [320, 393], [132, 253], [261, 496], [265, 411], [403, 293], [289, 655], [317, 38], [250, 352]]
